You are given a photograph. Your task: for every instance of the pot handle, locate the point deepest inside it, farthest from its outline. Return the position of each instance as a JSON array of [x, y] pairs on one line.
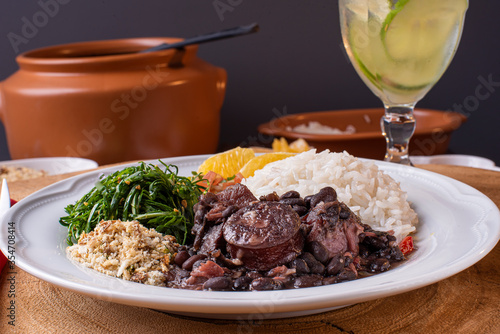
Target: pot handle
[[1, 102], [221, 86]]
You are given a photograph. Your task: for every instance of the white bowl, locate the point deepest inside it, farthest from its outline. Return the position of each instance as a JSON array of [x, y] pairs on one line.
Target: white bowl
[[455, 159], [53, 165]]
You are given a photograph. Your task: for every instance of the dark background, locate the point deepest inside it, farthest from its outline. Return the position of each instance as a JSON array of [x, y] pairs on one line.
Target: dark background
[[295, 64]]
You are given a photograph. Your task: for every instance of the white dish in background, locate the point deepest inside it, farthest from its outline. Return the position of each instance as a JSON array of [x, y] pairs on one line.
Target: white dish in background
[[454, 159], [53, 165], [458, 227]]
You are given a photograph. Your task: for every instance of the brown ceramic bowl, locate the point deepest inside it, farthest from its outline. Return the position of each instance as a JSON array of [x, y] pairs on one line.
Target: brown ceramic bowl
[[432, 134]]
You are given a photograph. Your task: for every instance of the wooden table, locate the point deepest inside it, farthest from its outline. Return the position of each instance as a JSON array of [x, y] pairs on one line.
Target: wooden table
[[468, 302]]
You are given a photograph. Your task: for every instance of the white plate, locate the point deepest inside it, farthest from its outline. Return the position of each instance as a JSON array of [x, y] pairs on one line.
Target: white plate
[[459, 226], [53, 165]]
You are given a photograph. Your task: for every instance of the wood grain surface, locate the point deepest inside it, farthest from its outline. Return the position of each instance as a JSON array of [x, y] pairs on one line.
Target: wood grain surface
[[468, 302]]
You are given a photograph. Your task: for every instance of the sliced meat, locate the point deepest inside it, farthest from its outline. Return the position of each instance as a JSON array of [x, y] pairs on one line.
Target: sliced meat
[[261, 225], [334, 226], [212, 240], [264, 235], [213, 209], [238, 195], [205, 203]]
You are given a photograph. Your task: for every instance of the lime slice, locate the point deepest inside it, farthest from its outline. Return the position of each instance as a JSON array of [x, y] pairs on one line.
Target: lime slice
[[363, 48], [397, 8], [419, 30]]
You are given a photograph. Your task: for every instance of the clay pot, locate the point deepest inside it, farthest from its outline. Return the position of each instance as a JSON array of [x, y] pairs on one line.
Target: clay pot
[[88, 100]]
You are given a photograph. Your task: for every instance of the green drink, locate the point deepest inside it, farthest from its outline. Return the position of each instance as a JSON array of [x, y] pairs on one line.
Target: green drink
[[400, 49]]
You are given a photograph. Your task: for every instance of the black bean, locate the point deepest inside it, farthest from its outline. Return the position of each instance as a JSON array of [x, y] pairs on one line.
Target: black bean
[[308, 257], [318, 251], [344, 214], [325, 195], [396, 254], [242, 283], [290, 194], [333, 210], [266, 283], [380, 265], [363, 251], [307, 281], [300, 266], [188, 264], [346, 275], [287, 281], [335, 265], [319, 269], [374, 242], [180, 257], [217, 283], [301, 210], [293, 201], [307, 199], [314, 265], [329, 280], [272, 197]]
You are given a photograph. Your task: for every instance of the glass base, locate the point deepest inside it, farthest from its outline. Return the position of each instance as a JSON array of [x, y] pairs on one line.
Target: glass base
[[398, 157], [398, 125]]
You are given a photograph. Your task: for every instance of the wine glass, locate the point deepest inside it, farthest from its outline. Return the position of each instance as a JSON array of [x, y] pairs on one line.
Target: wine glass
[[400, 48]]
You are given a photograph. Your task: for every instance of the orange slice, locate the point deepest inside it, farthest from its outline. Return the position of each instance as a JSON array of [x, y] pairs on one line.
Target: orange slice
[[260, 161], [297, 146], [227, 163]]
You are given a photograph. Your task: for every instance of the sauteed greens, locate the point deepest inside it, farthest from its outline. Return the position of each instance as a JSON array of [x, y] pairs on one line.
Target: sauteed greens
[[157, 198]]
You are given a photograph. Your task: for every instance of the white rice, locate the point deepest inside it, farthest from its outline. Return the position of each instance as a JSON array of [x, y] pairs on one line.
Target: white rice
[[318, 128], [370, 193]]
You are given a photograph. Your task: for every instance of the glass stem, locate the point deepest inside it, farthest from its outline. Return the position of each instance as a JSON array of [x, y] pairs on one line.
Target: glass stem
[[398, 125]]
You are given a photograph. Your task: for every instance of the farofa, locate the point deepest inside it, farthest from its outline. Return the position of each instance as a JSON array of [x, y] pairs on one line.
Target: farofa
[[12, 174], [128, 250]]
